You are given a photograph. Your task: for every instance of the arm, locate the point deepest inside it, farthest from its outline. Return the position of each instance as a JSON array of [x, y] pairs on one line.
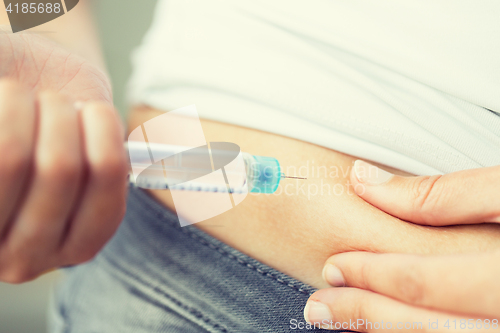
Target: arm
[[75, 31]]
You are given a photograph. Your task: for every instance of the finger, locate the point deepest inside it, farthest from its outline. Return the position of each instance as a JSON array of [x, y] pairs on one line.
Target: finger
[[465, 197], [102, 205], [41, 220], [458, 283], [364, 311], [17, 132]]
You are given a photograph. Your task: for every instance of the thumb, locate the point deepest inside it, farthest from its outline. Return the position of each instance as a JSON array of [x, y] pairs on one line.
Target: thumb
[[464, 197]]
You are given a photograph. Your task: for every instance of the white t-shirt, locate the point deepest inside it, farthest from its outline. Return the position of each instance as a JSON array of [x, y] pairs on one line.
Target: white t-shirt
[[413, 84]]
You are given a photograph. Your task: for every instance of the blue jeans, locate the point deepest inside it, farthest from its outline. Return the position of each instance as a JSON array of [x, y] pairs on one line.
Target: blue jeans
[[155, 276]]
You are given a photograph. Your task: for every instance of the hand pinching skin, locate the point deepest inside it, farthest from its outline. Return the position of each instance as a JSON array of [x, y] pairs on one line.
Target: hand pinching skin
[[411, 293]]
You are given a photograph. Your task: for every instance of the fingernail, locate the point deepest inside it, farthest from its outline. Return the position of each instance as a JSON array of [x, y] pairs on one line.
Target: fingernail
[[333, 276], [315, 312], [370, 174]]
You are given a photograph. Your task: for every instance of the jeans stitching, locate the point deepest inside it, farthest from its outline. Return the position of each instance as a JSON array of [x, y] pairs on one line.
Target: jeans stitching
[[244, 263], [198, 314], [159, 213]]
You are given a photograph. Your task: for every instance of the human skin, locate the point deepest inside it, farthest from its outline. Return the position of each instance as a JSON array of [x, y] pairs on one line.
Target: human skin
[[293, 233], [459, 290], [63, 169], [63, 180], [75, 31], [296, 232]]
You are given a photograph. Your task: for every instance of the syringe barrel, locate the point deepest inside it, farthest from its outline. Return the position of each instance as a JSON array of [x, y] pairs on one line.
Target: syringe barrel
[[259, 175]]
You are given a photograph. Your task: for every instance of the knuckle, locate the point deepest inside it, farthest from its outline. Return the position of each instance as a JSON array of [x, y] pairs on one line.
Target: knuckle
[[410, 285], [118, 215], [116, 208], [363, 308], [98, 110], [110, 167], [84, 256], [59, 169], [13, 98], [121, 210], [51, 96], [16, 274], [98, 106], [366, 276], [15, 159], [427, 196], [80, 255], [8, 85]]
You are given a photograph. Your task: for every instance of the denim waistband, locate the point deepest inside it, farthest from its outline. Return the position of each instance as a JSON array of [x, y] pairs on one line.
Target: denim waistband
[[186, 271]]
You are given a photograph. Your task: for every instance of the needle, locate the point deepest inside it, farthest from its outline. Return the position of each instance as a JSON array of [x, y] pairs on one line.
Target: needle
[[290, 177]]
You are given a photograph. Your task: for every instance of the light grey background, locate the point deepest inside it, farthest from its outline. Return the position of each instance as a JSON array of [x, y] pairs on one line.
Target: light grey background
[[122, 24]]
